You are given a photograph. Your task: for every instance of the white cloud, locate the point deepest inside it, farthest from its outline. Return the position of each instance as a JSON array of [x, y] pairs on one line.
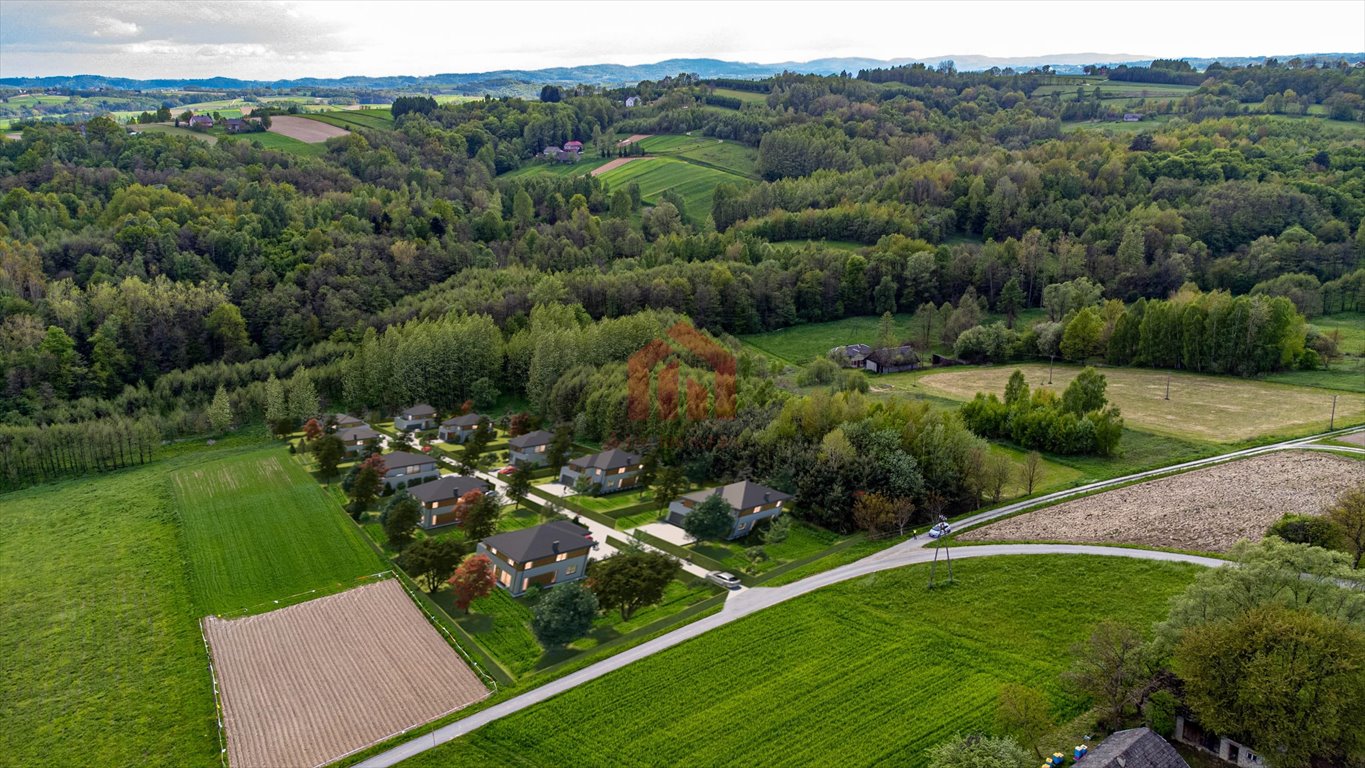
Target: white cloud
[[106, 27]]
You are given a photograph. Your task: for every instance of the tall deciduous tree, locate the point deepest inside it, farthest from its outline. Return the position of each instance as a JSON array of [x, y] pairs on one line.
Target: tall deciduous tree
[[630, 580], [481, 514], [712, 519], [1023, 712], [472, 580], [400, 519], [1112, 668], [1348, 516], [329, 451], [431, 560]]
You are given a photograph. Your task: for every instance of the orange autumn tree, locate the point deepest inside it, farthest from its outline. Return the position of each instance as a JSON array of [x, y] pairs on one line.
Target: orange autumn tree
[[472, 580]]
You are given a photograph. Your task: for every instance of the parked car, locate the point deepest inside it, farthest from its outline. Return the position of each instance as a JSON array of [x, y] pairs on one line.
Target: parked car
[[723, 579], [505, 471], [940, 530]]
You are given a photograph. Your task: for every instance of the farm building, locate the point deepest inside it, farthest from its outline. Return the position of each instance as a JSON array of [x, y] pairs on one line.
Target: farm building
[[850, 356], [1225, 749], [1134, 748], [439, 496], [403, 469], [1132, 117], [420, 416], [459, 428], [611, 470], [358, 440], [530, 448], [892, 359], [749, 502], [543, 555], [201, 121]]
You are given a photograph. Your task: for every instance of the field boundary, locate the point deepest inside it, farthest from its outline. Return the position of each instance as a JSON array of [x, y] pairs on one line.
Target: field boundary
[[217, 696], [469, 659]]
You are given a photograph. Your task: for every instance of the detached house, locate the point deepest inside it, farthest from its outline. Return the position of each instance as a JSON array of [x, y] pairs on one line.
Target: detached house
[[458, 429], [749, 503], [358, 440], [611, 470], [543, 555], [1134, 748], [420, 416], [892, 359], [530, 448], [851, 356], [405, 469], [345, 421], [438, 498], [201, 121]]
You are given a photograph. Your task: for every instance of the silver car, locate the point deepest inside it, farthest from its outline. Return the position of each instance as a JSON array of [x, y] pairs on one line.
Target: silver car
[[721, 578]]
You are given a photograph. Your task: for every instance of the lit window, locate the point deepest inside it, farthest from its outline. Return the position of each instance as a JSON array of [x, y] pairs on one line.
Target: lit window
[[570, 570]]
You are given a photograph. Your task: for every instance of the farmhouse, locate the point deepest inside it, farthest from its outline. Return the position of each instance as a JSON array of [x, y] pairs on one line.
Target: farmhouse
[[749, 503], [567, 156], [358, 440], [403, 469], [1224, 748], [851, 356], [609, 471], [892, 359], [459, 428], [420, 416], [438, 498], [1132, 117], [543, 555], [573, 146], [551, 152], [530, 448], [201, 121], [1135, 748], [237, 125]]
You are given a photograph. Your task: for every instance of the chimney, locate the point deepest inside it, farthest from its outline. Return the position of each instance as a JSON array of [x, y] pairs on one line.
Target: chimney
[[555, 547], [767, 495]]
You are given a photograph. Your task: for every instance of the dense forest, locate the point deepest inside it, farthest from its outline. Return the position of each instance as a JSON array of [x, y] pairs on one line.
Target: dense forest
[[140, 274]]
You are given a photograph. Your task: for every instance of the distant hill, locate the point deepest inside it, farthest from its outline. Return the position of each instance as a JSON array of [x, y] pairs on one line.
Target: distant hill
[[502, 81]]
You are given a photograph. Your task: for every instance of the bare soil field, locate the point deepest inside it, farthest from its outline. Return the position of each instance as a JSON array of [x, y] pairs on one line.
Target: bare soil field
[[610, 164], [632, 139], [308, 684], [1207, 510], [303, 129]]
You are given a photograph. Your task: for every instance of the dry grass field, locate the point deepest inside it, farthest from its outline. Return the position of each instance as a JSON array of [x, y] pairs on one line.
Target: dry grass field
[[1218, 409], [308, 684], [305, 130], [1207, 510]]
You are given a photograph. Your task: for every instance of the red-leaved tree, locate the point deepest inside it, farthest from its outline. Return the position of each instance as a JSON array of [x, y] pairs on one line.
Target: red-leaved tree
[[472, 580]]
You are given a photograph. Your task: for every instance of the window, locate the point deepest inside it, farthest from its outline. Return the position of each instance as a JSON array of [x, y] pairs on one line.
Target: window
[[570, 570]]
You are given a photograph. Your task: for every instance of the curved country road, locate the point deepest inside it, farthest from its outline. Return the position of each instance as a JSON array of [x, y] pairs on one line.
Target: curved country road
[[745, 602]]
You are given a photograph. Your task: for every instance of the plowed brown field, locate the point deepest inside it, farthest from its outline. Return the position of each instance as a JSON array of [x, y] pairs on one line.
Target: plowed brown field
[[308, 684], [1207, 510], [303, 129]]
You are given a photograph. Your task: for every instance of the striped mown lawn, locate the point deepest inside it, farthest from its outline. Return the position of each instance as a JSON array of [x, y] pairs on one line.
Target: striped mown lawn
[[696, 184]]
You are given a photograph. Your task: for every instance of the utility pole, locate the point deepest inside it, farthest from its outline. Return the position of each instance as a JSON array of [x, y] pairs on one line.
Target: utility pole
[[1168, 385], [1332, 422], [1050, 360]]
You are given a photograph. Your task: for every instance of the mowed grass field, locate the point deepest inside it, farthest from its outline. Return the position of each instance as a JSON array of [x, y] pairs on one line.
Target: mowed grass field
[[696, 184], [869, 672], [705, 150], [257, 529], [377, 119], [1215, 409], [748, 97], [799, 344]]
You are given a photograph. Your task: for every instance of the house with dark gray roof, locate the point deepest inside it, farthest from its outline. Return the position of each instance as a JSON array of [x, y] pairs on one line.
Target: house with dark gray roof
[[543, 555], [851, 355], [420, 416], [530, 448], [459, 428], [609, 471], [892, 359], [1206, 740], [439, 497], [358, 440], [750, 504], [344, 420], [403, 469], [1134, 748]]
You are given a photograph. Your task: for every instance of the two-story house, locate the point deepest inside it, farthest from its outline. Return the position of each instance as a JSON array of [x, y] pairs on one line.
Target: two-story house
[[750, 503], [543, 555], [611, 470], [358, 440], [459, 428], [438, 498], [530, 449], [342, 421], [420, 416], [403, 469]]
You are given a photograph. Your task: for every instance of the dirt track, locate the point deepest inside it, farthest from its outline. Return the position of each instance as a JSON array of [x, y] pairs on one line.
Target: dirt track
[[303, 129], [1207, 509], [610, 164], [633, 139], [305, 685]]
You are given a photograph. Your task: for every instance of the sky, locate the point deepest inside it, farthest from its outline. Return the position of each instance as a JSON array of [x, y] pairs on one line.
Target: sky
[[283, 39]]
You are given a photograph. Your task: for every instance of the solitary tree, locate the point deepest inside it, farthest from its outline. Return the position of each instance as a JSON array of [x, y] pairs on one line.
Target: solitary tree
[[220, 411], [1348, 516], [519, 485], [329, 451], [432, 560], [472, 580], [1023, 713], [400, 519], [630, 580], [1030, 471], [564, 614], [711, 519], [1111, 668], [996, 474]]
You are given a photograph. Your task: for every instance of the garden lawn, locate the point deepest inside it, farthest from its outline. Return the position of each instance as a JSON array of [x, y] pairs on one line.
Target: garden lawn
[[696, 184], [803, 541], [869, 672], [258, 529], [501, 625]]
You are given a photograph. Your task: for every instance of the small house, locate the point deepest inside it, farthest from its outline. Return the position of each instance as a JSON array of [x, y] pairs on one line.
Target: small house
[[543, 555], [201, 121], [459, 428], [632, 101], [1223, 748], [1134, 748], [609, 471], [573, 146], [551, 152], [344, 421], [1132, 117], [236, 125], [438, 498], [750, 503], [358, 440], [530, 448], [420, 416], [403, 469], [850, 356], [892, 359]]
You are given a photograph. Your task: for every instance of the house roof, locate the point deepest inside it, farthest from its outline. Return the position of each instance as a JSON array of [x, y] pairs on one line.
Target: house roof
[[541, 540], [448, 487], [531, 439], [421, 409], [740, 495], [611, 458], [905, 355], [467, 420], [1135, 748], [404, 459], [346, 420], [361, 432]]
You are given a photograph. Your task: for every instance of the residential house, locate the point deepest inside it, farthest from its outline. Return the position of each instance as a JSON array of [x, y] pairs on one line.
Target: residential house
[[632, 101], [1223, 748], [610, 471], [439, 496], [458, 429], [750, 503], [543, 555], [358, 440], [567, 156], [420, 416], [345, 421], [530, 448], [1134, 748], [238, 125], [892, 359], [1132, 117], [201, 121], [551, 152], [403, 469], [852, 355], [573, 146]]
